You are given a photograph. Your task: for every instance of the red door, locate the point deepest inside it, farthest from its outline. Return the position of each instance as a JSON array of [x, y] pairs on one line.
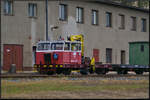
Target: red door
[[96, 54], [13, 54]]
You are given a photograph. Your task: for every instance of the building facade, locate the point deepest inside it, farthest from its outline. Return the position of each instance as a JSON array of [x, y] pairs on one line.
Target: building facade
[[107, 28]]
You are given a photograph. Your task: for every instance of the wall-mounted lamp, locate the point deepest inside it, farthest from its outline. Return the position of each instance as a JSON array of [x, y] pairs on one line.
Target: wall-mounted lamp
[[53, 27]]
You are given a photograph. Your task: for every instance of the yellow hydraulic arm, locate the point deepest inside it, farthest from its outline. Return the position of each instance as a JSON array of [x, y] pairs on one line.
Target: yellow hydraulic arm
[[81, 39], [78, 38], [93, 63]]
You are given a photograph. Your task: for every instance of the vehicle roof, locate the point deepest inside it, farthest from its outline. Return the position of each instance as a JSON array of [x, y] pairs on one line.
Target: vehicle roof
[[58, 41]]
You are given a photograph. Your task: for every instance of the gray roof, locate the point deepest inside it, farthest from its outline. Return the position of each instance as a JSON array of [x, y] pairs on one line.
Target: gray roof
[[119, 5]]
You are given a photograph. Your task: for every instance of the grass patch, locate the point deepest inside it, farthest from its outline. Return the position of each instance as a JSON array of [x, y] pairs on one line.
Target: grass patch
[[10, 88]]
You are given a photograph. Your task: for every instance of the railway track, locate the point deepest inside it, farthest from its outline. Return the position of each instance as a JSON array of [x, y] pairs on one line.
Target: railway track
[[29, 75]]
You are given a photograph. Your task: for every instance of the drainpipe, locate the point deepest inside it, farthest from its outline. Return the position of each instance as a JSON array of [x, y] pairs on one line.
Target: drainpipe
[[46, 3]]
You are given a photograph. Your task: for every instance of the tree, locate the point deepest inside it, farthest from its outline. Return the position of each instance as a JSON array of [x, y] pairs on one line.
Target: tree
[[143, 3], [137, 3]]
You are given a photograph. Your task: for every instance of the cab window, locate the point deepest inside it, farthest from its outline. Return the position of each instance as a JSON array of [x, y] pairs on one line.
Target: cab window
[[67, 46], [76, 46], [57, 46], [43, 46]]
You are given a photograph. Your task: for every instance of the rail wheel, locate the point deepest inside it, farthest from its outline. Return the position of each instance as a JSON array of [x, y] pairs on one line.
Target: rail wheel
[[97, 71], [125, 72], [138, 72], [50, 72], [91, 70], [122, 72], [119, 72], [58, 71], [66, 71], [100, 71], [83, 71], [42, 71], [103, 71]]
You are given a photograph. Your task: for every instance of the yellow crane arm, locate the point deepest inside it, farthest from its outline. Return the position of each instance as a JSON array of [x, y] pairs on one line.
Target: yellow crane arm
[[78, 38]]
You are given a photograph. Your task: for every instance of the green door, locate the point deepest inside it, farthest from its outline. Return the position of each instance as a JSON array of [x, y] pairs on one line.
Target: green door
[[139, 53]]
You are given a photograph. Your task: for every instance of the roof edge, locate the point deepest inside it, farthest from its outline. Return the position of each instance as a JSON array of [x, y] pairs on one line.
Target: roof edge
[[140, 42], [119, 5]]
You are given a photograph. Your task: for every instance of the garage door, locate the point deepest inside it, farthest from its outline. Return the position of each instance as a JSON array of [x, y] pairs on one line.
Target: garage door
[[13, 54]]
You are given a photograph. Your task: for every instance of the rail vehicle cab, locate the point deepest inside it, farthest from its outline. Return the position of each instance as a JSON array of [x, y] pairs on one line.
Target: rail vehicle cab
[[58, 52]]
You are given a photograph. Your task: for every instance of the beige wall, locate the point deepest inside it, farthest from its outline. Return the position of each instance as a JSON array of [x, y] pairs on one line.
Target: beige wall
[[101, 37], [18, 28]]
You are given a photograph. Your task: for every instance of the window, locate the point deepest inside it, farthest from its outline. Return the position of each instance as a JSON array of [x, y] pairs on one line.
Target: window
[[79, 15], [57, 46], [63, 12], [67, 46], [142, 48], [121, 21], [8, 7], [143, 25], [94, 17], [43, 46], [108, 55], [108, 19], [76, 46], [32, 10], [133, 21]]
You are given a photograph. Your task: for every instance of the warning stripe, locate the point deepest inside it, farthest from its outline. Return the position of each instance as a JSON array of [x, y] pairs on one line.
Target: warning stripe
[[36, 66]]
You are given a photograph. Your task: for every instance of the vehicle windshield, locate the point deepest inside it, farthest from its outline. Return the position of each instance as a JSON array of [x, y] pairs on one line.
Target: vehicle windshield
[[57, 46], [43, 46], [67, 46], [76, 46]]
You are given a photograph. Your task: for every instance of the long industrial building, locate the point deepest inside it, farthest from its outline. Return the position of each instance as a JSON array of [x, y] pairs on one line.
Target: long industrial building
[[108, 28]]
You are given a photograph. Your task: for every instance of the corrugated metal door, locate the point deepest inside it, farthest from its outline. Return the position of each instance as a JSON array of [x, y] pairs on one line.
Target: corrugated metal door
[[96, 54], [13, 54]]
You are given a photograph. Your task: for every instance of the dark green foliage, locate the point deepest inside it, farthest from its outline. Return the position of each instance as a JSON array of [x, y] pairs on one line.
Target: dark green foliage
[[137, 3]]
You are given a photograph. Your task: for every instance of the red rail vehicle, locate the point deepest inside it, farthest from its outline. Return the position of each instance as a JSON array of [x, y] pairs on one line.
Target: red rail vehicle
[[58, 56]]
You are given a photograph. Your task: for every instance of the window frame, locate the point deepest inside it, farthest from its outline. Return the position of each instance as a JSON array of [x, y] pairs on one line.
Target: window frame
[[65, 12], [43, 46], [77, 46], [33, 8], [69, 48], [95, 17], [11, 2], [55, 48], [110, 19], [134, 22], [80, 15], [122, 21], [108, 57], [143, 25]]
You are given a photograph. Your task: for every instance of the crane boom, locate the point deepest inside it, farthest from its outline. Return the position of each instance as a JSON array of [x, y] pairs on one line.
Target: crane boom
[[79, 38]]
